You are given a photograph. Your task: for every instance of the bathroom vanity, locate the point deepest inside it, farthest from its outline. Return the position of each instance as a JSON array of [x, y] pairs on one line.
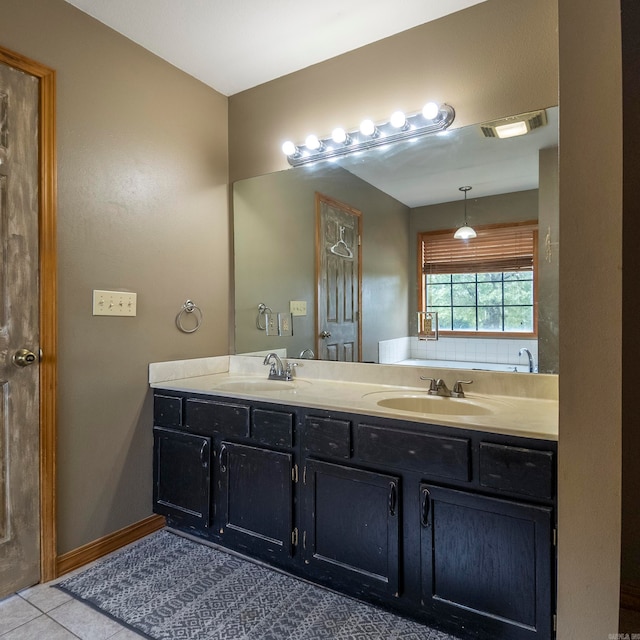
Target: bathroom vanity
[[434, 515]]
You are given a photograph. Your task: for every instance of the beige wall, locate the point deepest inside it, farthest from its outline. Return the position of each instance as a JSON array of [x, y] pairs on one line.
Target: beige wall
[[516, 69], [590, 318], [142, 151]]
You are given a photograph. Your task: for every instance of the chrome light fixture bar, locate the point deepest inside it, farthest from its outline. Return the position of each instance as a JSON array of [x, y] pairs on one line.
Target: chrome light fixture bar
[[432, 119]]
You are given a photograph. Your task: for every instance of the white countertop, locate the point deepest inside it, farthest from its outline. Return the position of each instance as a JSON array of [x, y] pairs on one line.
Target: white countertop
[[524, 404]]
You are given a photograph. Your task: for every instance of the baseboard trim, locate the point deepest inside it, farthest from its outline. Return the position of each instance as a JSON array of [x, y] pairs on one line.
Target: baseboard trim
[[630, 597], [93, 550]]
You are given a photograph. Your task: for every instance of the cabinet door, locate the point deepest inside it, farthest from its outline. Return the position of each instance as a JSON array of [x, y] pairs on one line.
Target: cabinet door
[[487, 560], [256, 499], [181, 471], [352, 526]]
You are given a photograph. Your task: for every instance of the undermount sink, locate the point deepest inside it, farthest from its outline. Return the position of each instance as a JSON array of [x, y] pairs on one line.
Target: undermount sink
[[259, 385], [438, 405]]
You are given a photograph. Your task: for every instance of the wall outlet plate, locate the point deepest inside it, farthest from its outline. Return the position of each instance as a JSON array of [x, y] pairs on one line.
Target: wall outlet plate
[[114, 303], [298, 307], [285, 324]]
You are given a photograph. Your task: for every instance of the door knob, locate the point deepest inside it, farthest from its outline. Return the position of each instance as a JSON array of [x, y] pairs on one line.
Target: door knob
[[24, 357], [325, 334]]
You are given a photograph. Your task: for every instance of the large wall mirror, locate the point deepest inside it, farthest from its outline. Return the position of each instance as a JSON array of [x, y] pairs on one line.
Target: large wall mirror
[[400, 190]]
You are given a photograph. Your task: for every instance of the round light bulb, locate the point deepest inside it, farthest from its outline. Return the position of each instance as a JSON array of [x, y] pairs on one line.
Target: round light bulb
[[430, 110], [312, 142], [398, 119], [339, 135], [367, 127], [289, 149]]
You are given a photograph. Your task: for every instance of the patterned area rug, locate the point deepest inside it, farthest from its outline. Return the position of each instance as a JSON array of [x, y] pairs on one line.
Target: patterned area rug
[[169, 587]]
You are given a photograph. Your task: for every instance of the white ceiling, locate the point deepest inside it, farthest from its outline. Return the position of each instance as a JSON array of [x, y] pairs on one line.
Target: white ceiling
[[233, 45]]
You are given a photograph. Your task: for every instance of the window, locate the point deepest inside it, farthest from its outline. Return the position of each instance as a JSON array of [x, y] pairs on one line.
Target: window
[[486, 285]]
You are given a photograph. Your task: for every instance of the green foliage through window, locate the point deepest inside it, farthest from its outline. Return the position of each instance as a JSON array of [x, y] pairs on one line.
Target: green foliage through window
[[487, 302]]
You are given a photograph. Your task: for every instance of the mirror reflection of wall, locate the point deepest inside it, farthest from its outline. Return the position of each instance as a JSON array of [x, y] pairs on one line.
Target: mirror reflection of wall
[[400, 193]]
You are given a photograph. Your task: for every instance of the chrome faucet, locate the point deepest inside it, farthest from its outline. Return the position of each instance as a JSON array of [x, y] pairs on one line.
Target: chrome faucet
[[438, 387], [307, 353], [532, 367], [278, 370]]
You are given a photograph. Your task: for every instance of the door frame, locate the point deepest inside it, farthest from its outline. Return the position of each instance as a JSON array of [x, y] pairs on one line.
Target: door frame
[[47, 255]]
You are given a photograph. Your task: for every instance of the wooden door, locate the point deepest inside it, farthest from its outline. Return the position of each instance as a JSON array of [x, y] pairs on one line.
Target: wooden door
[[339, 280], [352, 527], [19, 332], [488, 561]]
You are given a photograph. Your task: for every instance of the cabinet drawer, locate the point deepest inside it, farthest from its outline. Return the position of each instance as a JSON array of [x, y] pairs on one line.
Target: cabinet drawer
[[328, 437], [229, 419], [167, 411], [524, 471], [441, 456], [273, 428]]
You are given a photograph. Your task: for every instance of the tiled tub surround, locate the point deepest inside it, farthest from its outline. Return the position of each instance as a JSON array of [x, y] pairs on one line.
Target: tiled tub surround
[[527, 405], [501, 354]]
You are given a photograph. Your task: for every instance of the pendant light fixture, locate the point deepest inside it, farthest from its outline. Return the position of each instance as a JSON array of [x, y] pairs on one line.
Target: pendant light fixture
[[465, 232]]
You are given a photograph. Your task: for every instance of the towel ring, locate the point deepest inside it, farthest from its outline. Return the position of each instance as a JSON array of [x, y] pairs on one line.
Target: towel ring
[[263, 310], [189, 307]]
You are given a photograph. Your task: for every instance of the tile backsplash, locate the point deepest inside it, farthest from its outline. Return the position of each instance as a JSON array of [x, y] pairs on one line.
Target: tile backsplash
[[491, 350]]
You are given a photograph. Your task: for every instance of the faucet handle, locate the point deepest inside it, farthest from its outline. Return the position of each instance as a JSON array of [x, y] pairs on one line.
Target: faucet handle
[[457, 391], [289, 370], [433, 386]]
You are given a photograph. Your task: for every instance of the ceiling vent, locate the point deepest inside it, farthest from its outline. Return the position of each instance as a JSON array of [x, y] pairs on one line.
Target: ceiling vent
[[514, 125]]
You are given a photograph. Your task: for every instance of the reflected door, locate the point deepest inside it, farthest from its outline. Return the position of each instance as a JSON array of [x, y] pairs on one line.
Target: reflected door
[[338, 280], [19, 340]]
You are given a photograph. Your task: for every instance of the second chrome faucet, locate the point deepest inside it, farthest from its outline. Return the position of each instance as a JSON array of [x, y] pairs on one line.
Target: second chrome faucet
[[438, 387], [279, 370]]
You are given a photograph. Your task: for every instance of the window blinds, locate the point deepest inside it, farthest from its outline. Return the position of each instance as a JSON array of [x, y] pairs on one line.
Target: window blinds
[[495, 249]]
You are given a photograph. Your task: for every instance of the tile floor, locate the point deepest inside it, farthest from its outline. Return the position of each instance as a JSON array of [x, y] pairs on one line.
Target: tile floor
[[45, 613]]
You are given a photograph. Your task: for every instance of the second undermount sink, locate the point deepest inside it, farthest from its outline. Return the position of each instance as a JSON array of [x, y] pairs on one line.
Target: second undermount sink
[[438, 405], [258, 385]]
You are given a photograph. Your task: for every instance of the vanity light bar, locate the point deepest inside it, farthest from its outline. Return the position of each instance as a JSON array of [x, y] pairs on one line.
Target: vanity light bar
[[431, 119]]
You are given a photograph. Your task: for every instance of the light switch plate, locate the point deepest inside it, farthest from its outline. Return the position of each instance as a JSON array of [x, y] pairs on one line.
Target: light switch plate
[[271, 323], [298, 307], [114, 303]]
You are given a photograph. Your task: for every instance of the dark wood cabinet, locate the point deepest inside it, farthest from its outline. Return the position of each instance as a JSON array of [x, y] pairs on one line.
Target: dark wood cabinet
[[352, 526], [182, 476], [451, 526], [255, 503], [487, 559]]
